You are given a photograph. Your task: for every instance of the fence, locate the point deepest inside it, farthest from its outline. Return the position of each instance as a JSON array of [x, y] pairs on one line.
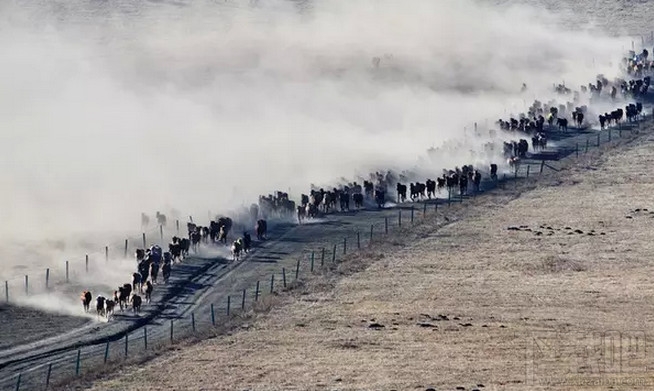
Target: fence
[[206, 317]]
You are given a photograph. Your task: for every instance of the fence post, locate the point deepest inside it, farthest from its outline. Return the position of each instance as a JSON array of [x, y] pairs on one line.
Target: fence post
[[344, 246], [106, 253], [229, 304], [284, 276], [67, 279], [528, 167], [609, 135], [177, 225], [193, 320], [386, 225], [542, 166], [272, 283], [322, 258], [171, 331], [77, 362], [297, 269], [126, 343], [18, 381], [126, 244], [161, 233], [243, 301], [620, 132], [312, 260], [47, 278], [27, 285], [7, 291], [106, 352], [399, 218], [256, 293], [358, 240], [334, 254], [424, 209], [47, 377], [577, 149], [213, 316], [144, 245], [145, 337], [598, 139], [86, 263], [372, 226], [587, 144]]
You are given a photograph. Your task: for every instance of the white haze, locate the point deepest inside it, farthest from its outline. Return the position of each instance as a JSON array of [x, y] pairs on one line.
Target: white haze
[[121, 109]]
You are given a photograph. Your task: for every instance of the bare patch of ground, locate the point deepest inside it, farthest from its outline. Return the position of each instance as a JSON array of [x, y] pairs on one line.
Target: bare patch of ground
[[20, 325], [544, 289]]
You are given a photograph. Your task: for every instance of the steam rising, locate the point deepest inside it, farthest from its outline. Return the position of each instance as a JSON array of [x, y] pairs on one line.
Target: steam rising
[[115, 109]]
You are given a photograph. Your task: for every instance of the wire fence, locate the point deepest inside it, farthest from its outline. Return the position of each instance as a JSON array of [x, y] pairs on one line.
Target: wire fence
[[248, 295]]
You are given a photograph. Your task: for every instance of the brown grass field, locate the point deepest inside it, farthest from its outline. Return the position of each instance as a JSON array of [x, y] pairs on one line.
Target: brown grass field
[[561, 303]]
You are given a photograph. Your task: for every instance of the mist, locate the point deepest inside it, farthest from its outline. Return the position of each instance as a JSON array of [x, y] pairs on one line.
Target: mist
[[113, 109]]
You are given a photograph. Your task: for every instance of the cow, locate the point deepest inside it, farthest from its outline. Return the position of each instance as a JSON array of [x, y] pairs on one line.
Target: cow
[[148, 292], [247, 242], [401, 192], [236, 249], [358, 200], [154, 271], [122, 297], [137, 280], [86, 300], [99, 305], [109, 307], [261, 228], [136, 303], [431, 188], [165, 271]]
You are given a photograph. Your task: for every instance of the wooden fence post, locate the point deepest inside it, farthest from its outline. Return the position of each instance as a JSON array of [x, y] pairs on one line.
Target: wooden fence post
[[312, 260], [177, 225], [322, 258], [542, 166], [126, 343], [106, 253], [144, 245], [18, 381], [334, 254], [67, 279], [284, 277], [47, 278], [412, 214], [193, 320], [171, 331], [106, 353], [256, 293], [358, 240], [386, 225], [47, 377], [399, 218], [344, 246], [609, 135], [424, 209], [77, 362], [587, 144], [272, 283], [577, 149], [213, 316], [7, 291], [229, 304], [145, 337], [86, 261], [27, 284], [161, 233], [598, 139], [297, 269], [243, 300], [528, 167], [126, 245]]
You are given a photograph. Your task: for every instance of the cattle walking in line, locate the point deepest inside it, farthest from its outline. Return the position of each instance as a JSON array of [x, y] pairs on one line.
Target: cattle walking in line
[[165, 271], [137, 281], [100, 306], [148, 292], [247, 242], [401, 192], [86, 300], [358, 200], [236, 250], [136, 303], [261, 228], [109, 306]]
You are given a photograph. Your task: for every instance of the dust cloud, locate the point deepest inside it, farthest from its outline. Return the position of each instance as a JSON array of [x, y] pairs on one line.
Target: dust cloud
[[113, 109]]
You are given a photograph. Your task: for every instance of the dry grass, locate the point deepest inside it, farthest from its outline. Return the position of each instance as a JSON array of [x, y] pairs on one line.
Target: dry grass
[[468, 305]]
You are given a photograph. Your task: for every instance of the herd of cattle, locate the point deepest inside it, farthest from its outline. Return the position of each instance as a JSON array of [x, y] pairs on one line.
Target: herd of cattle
[[320, 201]]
